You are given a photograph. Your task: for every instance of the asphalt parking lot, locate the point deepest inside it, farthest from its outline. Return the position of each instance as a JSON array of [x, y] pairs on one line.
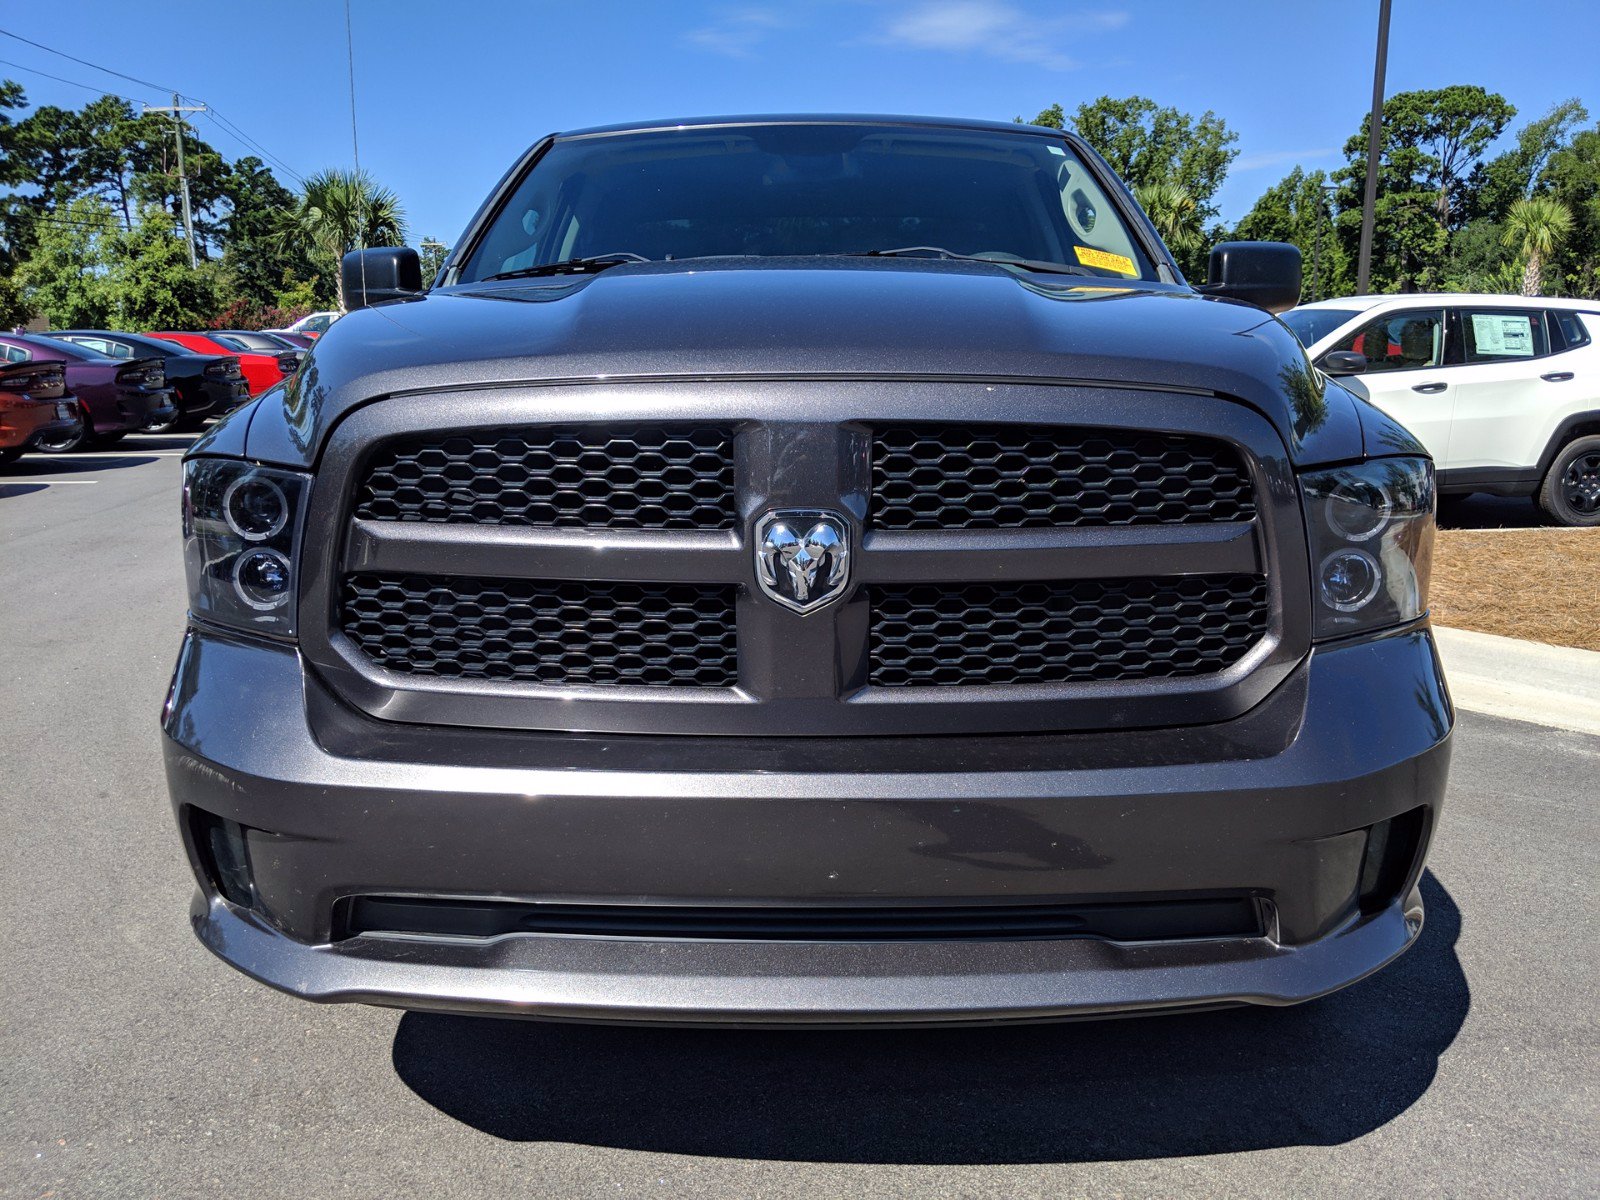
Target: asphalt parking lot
[[134, 1064]]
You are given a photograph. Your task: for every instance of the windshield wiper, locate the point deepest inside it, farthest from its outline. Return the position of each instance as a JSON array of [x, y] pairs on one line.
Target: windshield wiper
[[571, 266], [1026, 264]]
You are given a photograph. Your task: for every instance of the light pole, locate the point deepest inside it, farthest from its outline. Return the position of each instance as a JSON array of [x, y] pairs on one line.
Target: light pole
[[1369, 200]]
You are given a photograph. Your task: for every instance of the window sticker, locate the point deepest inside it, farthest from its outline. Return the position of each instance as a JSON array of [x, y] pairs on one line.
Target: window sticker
[[1105, 260], [1497, 333]]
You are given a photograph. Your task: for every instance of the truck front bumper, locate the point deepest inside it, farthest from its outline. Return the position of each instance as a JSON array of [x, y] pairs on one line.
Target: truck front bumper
[[1286, 808]]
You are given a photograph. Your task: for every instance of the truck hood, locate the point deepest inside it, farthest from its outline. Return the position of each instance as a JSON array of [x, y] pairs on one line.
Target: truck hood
[[863, 318]]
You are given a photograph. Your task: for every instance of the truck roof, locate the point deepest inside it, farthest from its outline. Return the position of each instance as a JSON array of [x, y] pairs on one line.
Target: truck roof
[[813, 119]]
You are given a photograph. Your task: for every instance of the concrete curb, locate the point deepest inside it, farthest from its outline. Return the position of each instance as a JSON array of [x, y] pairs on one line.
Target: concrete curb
[[1526, 681]]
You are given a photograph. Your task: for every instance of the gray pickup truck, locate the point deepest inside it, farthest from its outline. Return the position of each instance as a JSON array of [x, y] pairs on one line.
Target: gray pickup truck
[[809, 570]]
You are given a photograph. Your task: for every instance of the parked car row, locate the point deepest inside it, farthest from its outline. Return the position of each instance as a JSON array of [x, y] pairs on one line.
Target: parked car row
[[79, 389], [205, 384], [114, 397]]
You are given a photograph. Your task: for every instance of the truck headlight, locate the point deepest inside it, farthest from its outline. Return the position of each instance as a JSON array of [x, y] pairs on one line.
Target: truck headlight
[[241, 543], [1371, 530]]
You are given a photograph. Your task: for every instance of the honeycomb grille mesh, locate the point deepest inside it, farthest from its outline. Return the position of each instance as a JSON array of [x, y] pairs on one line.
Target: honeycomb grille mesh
[[1014, 477], [628, 634], [1065, 632], [616, 477]]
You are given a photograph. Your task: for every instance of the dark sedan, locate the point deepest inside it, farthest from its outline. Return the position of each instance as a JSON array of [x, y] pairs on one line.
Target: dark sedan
[[247, 342], [206, 385], [117, 396]]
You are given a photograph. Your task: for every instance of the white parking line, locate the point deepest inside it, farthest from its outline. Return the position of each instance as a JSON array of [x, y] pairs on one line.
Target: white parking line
[[5, 483]]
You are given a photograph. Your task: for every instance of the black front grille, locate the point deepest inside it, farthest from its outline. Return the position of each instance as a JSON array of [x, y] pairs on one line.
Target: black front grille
[[632, 634], [1066, 632], [1014, 477], [615, 477], [1133, 921]]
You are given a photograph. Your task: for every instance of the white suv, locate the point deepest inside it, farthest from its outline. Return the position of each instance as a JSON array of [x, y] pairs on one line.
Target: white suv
[[1504, 391]]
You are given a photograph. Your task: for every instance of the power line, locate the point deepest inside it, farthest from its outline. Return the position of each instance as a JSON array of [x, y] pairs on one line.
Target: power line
[[355, 153], [88, 87], [85, 62], [245, 139], [228, 126], [113, 226]]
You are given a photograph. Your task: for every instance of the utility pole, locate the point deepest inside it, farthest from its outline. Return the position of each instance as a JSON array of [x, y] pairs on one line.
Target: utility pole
[[1369, 201], [183, 180]]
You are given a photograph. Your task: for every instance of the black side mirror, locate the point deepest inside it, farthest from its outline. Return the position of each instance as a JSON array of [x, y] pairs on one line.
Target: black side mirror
[[373, 276], [1266, 274], [1343, 362]]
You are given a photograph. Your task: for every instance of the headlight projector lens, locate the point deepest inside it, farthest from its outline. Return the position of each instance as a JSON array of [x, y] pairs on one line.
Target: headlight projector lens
[[255, 508], [1350, 579], [261, 578], [1358, 508]]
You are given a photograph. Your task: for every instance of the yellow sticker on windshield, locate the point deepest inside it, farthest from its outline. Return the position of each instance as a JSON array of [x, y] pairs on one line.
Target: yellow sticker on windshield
[[1105, 260]]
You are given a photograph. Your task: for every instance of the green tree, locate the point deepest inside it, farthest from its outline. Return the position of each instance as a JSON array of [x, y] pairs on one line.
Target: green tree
[[259, 263], [1572, 177], [1503, 180], [42, 152], [12, 99], [1433, 140], [152, 284], [116, 150], [1536, 226], [1479, 260], [16, 216], [1172, 211], [432, 253], [338, 211], [1300, 209], [1147, 143], [64, 277]]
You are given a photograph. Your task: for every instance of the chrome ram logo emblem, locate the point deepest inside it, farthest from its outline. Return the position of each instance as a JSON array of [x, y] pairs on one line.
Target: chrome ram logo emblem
[[803, 557]]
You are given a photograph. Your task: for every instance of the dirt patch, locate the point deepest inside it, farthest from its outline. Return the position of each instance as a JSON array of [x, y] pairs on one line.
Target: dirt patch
[[1539, 584]]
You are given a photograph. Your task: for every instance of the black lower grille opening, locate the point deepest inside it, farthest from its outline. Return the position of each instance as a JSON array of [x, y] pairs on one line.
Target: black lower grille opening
[[1134, 921], [935, 635], [611, 634]]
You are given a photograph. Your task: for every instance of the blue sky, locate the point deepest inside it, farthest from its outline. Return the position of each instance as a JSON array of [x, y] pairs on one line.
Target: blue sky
[[448, 94]]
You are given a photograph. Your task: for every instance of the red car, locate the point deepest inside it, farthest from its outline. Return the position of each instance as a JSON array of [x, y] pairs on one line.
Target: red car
[[34, 405], [261, 371]]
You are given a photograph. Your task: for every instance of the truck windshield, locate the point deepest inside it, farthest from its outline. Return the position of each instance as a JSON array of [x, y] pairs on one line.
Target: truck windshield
[[786, 190]]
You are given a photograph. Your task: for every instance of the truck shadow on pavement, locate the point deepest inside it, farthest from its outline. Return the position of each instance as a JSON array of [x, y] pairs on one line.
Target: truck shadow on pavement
[[1210, 1083], [35, 467]]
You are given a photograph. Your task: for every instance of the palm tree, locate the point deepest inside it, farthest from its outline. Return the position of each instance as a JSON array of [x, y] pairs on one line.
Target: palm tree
[[1174, 213], [1536, 225], [339, 211]]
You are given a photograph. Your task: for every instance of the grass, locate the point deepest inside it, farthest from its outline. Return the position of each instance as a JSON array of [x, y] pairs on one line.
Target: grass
[[1539, 584]]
